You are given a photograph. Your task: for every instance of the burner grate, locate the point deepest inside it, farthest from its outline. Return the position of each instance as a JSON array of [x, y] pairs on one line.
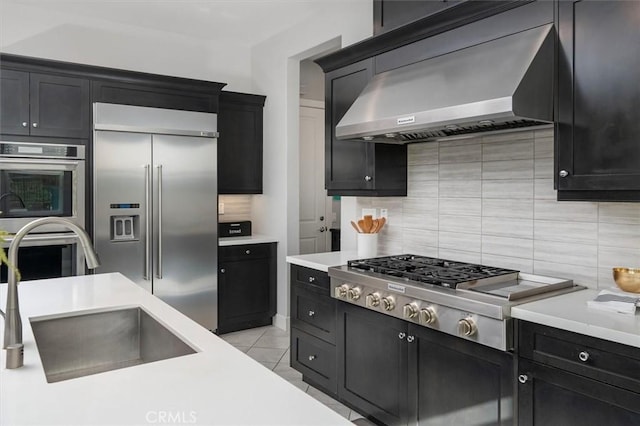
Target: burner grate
[[429, 270]]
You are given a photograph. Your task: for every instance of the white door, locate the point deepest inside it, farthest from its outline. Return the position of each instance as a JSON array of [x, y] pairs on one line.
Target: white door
[[315, 206]]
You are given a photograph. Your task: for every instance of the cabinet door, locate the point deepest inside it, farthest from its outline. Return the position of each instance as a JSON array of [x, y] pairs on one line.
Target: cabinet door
[[354, 167], [549, 396], [372, 363], [313, 312], [390, 14], [156, 95], [315, 359], [246, 287], [456, 382], [60, 106], [240, 147], [599, 100], [346, 162], [14, 102]]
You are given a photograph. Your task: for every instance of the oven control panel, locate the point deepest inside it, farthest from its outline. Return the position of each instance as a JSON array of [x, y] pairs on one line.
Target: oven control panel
[[467, 325]]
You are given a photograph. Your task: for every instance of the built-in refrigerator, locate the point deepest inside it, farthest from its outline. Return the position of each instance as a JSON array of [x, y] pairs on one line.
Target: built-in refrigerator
[[155, 203]]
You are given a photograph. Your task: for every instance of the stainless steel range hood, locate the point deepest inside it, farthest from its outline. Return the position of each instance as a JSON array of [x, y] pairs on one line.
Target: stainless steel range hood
[[502, 84]]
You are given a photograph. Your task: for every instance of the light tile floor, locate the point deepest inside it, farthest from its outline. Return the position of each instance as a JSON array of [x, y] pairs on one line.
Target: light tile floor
[[270, 347]]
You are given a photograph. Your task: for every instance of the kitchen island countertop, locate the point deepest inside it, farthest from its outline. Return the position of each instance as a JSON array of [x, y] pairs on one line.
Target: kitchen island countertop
[[322, 261], [570, 312], [217, 385]]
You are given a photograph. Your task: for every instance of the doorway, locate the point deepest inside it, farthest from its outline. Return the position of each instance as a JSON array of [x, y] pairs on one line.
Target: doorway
[[319, 214]]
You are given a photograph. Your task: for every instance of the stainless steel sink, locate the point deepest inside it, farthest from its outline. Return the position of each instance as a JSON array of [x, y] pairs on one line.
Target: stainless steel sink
[[83, 343]]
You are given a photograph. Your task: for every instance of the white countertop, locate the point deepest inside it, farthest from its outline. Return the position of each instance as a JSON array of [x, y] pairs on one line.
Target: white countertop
[[218, 385], [570, 312], [252, 239], [322, 261]]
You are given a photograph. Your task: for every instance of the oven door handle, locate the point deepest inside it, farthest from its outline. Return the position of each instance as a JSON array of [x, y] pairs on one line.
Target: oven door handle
[[159, 260], [148, 230], [49, 163]]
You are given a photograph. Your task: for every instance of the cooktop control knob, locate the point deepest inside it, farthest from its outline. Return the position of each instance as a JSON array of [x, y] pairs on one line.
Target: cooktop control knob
[[354, 293], [428, 315], [373, 300], [341, 291], [410, 310], [388, 303], [467, 327]]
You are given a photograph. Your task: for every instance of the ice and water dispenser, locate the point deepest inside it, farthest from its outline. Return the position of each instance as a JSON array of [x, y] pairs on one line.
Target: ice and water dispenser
[[125, 227]]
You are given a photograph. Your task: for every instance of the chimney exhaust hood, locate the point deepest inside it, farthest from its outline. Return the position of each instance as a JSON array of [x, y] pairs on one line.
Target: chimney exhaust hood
[[499, 85]]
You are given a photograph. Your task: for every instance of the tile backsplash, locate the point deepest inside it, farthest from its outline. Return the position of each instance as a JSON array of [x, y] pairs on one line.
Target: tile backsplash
[[236, 208], [491, 200]]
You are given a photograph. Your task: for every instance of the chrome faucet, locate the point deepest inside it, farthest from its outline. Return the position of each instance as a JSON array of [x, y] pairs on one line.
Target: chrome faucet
[[12, 322]]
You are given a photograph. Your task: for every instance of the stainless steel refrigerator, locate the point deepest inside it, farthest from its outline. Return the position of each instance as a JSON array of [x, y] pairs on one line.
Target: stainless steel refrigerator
[[155, 203]]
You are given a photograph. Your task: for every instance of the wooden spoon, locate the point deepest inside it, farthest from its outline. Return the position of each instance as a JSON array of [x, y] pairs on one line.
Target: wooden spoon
[[368, 220], [363, 226], [381, 223], [356, 227], [376, 225]]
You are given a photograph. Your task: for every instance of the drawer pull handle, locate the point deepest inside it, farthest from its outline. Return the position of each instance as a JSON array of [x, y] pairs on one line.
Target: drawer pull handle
[[312, 357], [248, 251], [311, 313], [410, 339], [311, 279], [401, 335], [583, 356], [222, 270], [523, 378]]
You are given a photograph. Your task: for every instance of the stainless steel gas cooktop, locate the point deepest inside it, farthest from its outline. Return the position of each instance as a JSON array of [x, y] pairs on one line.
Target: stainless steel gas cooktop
[[468, 300]]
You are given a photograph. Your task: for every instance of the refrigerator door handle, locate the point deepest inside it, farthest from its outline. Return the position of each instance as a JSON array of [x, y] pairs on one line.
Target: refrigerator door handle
[[159, 271], [148, 230]]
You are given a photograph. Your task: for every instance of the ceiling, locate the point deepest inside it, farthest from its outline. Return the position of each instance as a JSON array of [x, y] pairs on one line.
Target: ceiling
[[245, 22]]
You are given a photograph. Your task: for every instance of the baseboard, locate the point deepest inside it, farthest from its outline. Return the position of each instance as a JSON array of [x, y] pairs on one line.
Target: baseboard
[[281, 321]]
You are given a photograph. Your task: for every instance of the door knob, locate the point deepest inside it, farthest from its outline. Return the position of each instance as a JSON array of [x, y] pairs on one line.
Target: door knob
[[35, 124]]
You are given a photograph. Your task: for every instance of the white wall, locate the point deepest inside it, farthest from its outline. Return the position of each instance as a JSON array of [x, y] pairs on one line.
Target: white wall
[[32, 31], [276, 74]]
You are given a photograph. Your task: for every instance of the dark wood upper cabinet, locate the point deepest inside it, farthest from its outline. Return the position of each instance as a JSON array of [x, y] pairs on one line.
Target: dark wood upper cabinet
[[240, 143], [598, 133], [391, 14], [148, 94], [39, 104], [355, 167]]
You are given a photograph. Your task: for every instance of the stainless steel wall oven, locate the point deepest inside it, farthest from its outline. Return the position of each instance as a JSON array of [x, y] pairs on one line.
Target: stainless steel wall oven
[[38, 180]]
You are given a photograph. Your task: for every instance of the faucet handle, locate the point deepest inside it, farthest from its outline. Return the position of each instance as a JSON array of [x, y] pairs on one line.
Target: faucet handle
[[15, 355]]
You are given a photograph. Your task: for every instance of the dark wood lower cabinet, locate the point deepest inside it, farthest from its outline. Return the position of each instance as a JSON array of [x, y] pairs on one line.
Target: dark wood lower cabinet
[[456, 382], [565, 378], [398, 373], [372, 364], [550, 396], [246, 286]]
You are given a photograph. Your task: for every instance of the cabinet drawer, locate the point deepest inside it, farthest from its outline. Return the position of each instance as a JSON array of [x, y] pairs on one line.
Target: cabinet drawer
[[313, 312], [246, 250], [598, 359], [314, 358], [310, 277]]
